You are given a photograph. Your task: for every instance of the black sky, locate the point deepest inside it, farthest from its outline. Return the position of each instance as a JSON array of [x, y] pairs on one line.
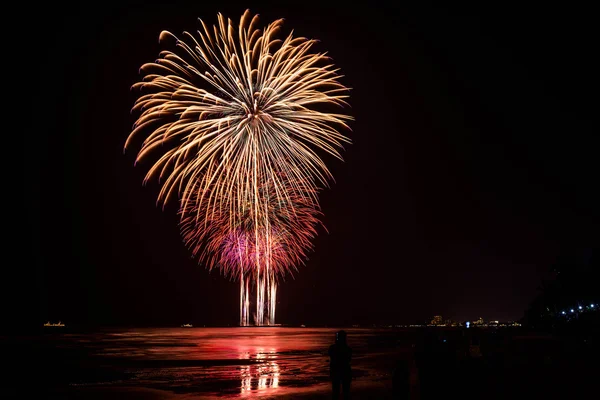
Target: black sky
[[473, 165]]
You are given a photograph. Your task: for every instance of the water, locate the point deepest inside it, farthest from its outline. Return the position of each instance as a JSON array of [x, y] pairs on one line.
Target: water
[[209, 362]]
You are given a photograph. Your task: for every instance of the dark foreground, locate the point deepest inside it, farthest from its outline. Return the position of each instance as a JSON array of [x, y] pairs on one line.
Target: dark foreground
[[199, 363]]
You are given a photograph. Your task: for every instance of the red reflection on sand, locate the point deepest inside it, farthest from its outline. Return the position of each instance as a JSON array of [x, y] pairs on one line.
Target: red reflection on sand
[[260, 376], [264, 347], [252, 362]]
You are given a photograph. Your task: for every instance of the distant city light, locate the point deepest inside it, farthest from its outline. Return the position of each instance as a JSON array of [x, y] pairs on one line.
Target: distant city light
[[572, 310], [580, 307], [591, 305], [468, 324], [563, 313]]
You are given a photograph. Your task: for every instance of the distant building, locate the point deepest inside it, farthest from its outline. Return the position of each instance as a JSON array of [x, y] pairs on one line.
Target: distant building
[[478, 322], [437, 320]]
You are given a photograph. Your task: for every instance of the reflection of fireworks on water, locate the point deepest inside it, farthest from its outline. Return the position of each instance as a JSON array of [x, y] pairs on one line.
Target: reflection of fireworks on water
[[233, 111]]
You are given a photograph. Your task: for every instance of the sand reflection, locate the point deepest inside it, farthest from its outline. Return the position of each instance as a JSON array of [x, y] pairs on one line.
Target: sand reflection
[[260, 376]]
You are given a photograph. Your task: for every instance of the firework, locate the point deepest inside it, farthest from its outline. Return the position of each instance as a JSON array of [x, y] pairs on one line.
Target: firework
[[231, 110], [287, 226], [235, 120], [257, 249]]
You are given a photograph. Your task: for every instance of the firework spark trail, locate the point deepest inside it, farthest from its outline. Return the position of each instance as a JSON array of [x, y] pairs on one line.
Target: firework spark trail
[[236, 112], [228, 111], [278, 233], [264, 249]]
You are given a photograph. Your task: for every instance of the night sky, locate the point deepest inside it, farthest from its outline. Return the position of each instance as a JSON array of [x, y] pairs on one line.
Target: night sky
[[473, 166]]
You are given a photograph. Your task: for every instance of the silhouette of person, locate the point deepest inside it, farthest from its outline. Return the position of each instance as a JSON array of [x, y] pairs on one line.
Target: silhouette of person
[[340, 372]]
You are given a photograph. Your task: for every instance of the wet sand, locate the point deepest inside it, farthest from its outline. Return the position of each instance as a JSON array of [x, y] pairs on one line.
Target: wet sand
[[206, 363], [286, 363]]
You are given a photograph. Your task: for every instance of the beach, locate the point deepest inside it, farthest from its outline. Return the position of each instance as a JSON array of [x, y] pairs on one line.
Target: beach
[[282, 363]]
